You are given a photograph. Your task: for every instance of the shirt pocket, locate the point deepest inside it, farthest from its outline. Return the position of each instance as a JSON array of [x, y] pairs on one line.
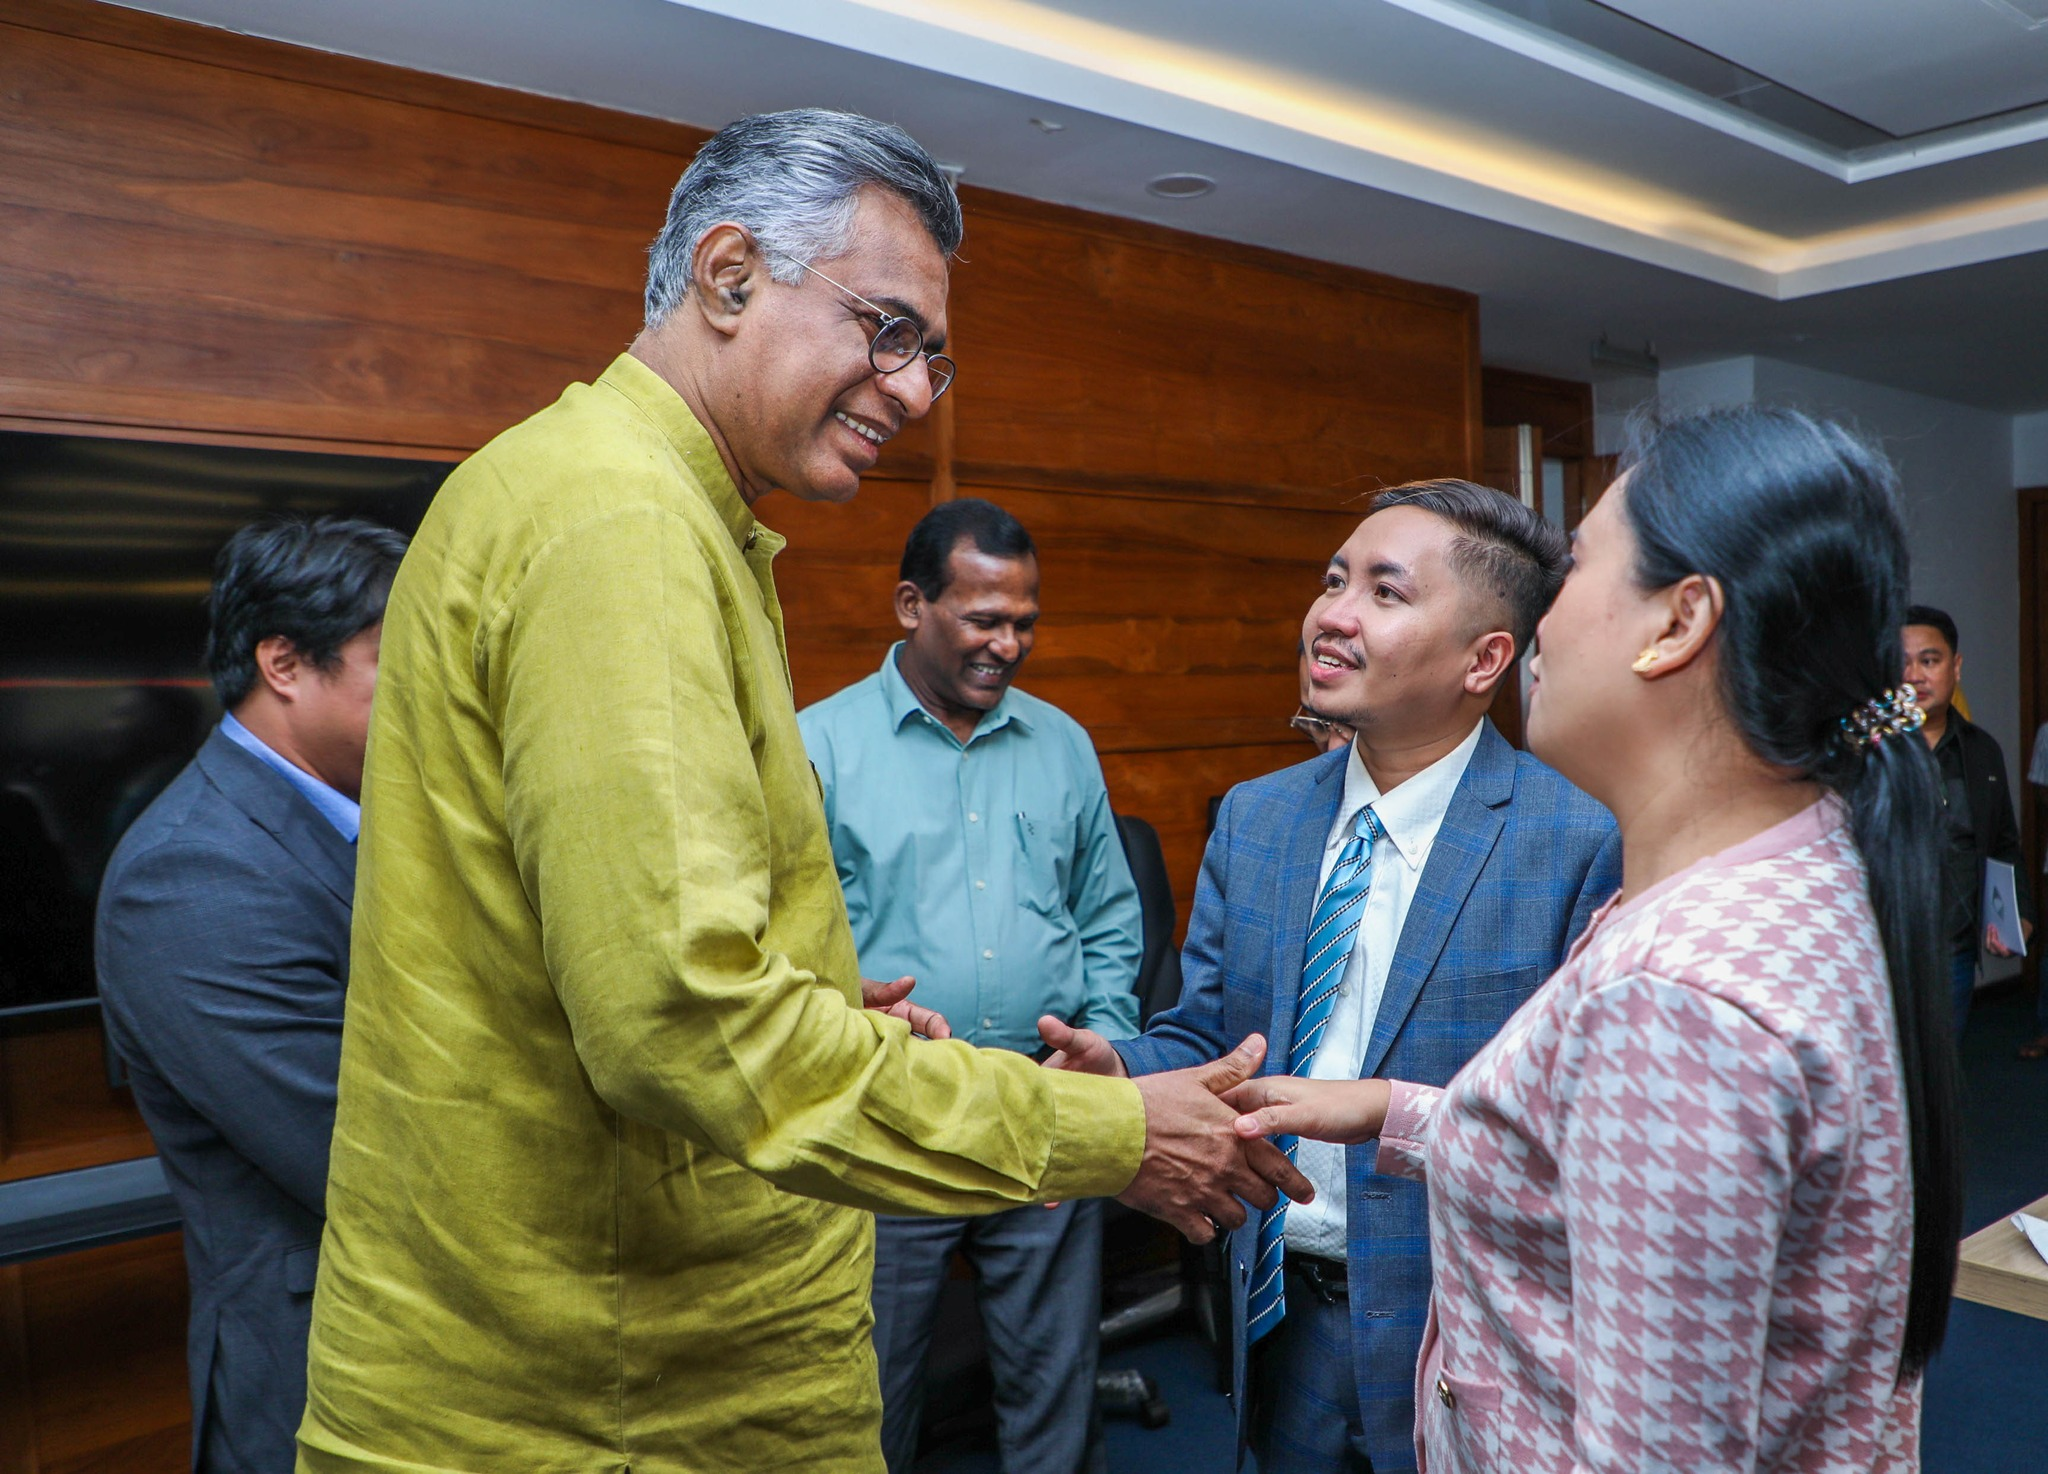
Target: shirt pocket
[[1045, 859]]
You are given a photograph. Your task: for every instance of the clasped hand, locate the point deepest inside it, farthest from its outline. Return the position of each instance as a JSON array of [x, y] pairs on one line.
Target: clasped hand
[[1197, 1172]]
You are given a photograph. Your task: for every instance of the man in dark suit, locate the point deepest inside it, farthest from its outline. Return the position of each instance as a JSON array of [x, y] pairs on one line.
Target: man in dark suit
[[1976, 804], [1379, 910], [222, 947]]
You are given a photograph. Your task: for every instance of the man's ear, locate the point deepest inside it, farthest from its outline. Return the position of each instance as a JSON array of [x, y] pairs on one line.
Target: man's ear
[[1493, 660], [909, 605], [278, 667], [725, 269]]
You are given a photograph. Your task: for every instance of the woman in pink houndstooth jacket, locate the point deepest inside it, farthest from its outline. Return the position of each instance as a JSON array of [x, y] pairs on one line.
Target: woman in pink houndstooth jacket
[[1696, 1206]]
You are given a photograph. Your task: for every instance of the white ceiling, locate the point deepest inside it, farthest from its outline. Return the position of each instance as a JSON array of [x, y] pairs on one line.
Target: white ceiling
[[1435, 139], [1906, 66]]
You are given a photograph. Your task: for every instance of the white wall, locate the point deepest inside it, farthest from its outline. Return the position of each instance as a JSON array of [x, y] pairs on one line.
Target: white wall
[[1716, 385], [1956, 468], [2030, 449]]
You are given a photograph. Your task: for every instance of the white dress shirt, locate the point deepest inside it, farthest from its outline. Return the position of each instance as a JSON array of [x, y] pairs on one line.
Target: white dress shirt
[[1411, 816]]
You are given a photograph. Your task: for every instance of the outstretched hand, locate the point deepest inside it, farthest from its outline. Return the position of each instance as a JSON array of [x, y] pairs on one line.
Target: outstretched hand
[[1081, 1050], [1343, 1111], [892, 999], [1196, 1173]]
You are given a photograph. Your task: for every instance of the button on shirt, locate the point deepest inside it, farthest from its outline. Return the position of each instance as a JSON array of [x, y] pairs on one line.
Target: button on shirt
[[989, 870], [1411, 816], [336, 807]]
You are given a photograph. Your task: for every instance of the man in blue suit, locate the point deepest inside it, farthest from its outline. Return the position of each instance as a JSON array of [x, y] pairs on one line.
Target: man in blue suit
[[222, 949], [1379, 910]]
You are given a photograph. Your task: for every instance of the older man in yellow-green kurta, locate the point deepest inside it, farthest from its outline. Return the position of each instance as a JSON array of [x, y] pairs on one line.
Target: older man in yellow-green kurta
[[609, 1108]]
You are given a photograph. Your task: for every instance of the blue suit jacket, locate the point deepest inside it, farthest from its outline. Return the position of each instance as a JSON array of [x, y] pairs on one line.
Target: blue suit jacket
[[222, 948], [1521, 863]]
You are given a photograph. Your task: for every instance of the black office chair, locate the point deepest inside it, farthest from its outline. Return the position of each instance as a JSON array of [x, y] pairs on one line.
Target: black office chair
[[1145, 1294], [1158, 985], [1139, 1293]]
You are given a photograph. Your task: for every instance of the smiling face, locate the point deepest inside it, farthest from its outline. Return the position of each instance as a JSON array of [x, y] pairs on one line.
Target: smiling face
[[796, 403], [1395, 643], [962, 650]]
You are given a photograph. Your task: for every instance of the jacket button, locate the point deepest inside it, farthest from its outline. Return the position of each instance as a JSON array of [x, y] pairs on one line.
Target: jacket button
[[1444, 1394]]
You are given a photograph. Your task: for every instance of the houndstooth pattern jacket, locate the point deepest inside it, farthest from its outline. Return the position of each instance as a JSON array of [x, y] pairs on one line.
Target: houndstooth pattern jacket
[[1671, 1203]]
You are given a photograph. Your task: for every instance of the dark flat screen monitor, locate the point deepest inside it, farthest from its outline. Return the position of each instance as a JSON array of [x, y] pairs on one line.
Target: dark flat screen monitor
[[106, 553]]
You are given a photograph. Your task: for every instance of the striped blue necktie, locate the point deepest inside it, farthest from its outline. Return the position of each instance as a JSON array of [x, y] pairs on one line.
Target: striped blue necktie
[[1331, 932]]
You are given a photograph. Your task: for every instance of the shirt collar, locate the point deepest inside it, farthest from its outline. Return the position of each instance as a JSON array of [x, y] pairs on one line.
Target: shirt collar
[[336, 807], [903, 704], [1414, 811], [657, 400]]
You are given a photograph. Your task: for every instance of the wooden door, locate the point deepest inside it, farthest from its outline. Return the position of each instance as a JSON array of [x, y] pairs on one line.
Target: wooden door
[[2033, 570]]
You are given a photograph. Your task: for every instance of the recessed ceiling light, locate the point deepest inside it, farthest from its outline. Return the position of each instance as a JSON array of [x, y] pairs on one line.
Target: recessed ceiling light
[[1181, 186]]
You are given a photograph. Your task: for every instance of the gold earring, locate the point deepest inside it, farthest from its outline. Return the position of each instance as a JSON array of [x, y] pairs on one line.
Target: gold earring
[[1644, 661]]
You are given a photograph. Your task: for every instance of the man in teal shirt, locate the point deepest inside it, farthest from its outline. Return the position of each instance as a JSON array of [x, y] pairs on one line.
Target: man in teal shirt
[[978, 854]]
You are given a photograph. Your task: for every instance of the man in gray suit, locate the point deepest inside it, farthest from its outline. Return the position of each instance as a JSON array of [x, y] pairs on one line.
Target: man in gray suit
[[222, 947]]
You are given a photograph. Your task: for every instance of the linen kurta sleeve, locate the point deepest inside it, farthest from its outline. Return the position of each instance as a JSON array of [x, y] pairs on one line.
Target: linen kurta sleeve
[[642, 822], [1682, 1124]]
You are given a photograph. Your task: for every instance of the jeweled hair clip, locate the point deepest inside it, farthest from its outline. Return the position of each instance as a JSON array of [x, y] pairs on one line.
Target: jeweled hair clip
[[1890, 715]]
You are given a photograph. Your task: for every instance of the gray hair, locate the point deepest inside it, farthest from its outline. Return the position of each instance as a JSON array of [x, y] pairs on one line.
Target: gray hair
[[792, 178]]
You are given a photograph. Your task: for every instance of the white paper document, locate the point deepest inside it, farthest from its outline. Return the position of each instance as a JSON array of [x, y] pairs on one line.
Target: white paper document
[[2036, 1232], [2002, 906]]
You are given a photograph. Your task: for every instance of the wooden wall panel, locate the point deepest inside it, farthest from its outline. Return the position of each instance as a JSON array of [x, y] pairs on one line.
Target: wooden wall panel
[[186, 245], [1110, 351], [104, 1332], [209, 236], [57, 1109], [1171, 625]]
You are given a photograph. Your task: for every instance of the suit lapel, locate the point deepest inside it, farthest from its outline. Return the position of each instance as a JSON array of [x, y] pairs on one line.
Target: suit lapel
[[278, 809], [1300, 871], [1471, 826]]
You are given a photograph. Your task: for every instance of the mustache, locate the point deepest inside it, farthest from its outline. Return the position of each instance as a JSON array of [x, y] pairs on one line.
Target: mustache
[[1338, 647]]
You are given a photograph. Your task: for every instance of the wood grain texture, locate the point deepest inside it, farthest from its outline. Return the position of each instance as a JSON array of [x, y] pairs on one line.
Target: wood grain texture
[[1117, 352], [105, 1332], [212, 237], [199, 248], [59, 1110], [1172, 790], [17, 1402], [1561, 409], [1997, 1266]]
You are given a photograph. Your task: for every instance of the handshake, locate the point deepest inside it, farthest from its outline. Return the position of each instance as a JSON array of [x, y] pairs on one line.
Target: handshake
[[1199, 1168]]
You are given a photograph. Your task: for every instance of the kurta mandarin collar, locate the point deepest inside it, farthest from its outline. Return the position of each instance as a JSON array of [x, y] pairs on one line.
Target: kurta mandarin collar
[[656, 399]]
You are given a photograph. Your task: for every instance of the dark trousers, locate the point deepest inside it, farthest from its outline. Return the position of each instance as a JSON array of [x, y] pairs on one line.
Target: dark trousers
[[1038, 1282], [1962, 987], [1305, 1417]]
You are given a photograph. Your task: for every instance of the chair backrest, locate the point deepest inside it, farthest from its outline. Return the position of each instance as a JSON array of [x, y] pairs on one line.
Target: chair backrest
[[1159, 980]]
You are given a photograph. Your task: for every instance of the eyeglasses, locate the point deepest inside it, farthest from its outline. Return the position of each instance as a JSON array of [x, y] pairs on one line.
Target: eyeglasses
[[898, 342], [1319, 729]]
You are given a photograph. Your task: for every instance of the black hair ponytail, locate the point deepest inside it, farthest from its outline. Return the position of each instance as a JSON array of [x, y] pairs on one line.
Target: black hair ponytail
[[1799, 521]]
